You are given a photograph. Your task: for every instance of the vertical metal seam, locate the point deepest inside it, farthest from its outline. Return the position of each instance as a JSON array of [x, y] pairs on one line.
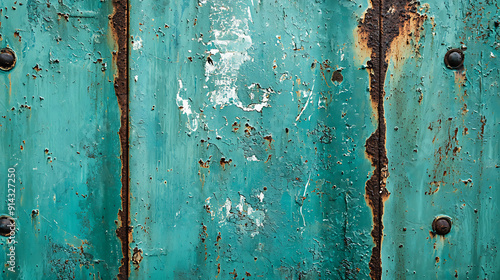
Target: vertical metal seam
[[120, 24], [380, 119], [126, 156]]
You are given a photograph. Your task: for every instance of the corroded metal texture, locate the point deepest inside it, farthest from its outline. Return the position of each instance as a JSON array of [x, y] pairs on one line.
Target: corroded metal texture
[[249, 139], [119, 24], [442, 142], [384, 24], [247, 144], [58, 128]]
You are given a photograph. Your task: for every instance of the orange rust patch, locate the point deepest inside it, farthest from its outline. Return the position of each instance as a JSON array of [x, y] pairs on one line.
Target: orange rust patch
[[223, 162], [205, 164], [236, 126], [269, 139], [248, 129], [406, 43], [434, 187]]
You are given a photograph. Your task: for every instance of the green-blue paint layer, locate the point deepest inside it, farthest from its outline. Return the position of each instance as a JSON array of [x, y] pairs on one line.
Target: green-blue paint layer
[[443, 147], [58, 128], [247, 160]]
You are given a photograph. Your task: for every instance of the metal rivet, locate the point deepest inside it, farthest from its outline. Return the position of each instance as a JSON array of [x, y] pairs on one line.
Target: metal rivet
[[441, 225], [7, 225], [7, 59], [454, 59]]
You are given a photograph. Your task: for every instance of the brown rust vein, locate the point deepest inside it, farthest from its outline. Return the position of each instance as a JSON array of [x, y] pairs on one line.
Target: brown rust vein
[[385, 25], [119, 24]]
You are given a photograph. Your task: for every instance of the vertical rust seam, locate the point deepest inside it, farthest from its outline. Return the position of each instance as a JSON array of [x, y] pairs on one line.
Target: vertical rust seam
[[120, 26], [386, 22], [381, 139], [372, 29]]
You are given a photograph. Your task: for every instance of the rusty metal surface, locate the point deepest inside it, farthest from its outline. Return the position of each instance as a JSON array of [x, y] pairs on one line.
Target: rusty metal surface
[[442, 143], [58, 127], [119, 26], [248, 139], [247, 149]]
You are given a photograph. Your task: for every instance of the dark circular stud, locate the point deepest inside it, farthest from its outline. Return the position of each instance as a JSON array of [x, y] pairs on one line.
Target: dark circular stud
[[441, 225], [454, 59], [7, 59], [7, 225]]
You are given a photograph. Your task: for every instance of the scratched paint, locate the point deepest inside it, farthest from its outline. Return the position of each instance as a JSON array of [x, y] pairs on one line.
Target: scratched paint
[[248, 126], [442, 144], [58, 128]]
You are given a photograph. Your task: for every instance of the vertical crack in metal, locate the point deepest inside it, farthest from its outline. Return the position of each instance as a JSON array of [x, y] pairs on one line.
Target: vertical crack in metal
[[120, 26]]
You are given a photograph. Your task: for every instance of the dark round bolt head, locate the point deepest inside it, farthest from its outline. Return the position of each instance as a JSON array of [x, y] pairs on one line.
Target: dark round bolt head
[[441, 225], [7, 225], [7, 59], [454, 59]]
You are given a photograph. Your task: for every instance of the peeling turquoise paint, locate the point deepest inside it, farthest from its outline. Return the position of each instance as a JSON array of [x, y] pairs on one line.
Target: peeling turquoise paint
[[248, 124], [58, 128], [442, 145], [247, 159]]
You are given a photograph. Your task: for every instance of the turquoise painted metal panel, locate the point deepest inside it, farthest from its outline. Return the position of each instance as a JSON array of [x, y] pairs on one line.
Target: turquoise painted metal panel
[[59, 143], [443, 144], [267, 138], [248, 126]]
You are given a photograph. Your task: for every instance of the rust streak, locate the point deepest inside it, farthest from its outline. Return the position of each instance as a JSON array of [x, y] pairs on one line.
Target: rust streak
[[384, 26], [119, 22]]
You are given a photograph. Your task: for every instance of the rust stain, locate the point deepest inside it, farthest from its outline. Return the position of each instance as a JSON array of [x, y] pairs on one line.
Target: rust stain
[[268, 158], [248, 129], [409, 23], [17, 35], [65, 16], [325, 66], [234, 273], [119, 22], [337, 76], [383, 33], [223, 162], [483, 124], [218, 270], [434, 187], [137, 257], [235, 126], [269, 139], [205, 164]]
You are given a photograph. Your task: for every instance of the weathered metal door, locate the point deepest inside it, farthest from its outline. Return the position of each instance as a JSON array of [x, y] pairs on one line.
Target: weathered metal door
[[249, 139]]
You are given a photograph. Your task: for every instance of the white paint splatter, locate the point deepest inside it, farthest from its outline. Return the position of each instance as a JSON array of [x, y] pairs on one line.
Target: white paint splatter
[[185, 107], [137, 43], [227, 206], [239, 206], [249, 14], [307, 103], [230, 28], [245, 213], [208, 207], [303, 197], [261, 196], [253, 158]]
